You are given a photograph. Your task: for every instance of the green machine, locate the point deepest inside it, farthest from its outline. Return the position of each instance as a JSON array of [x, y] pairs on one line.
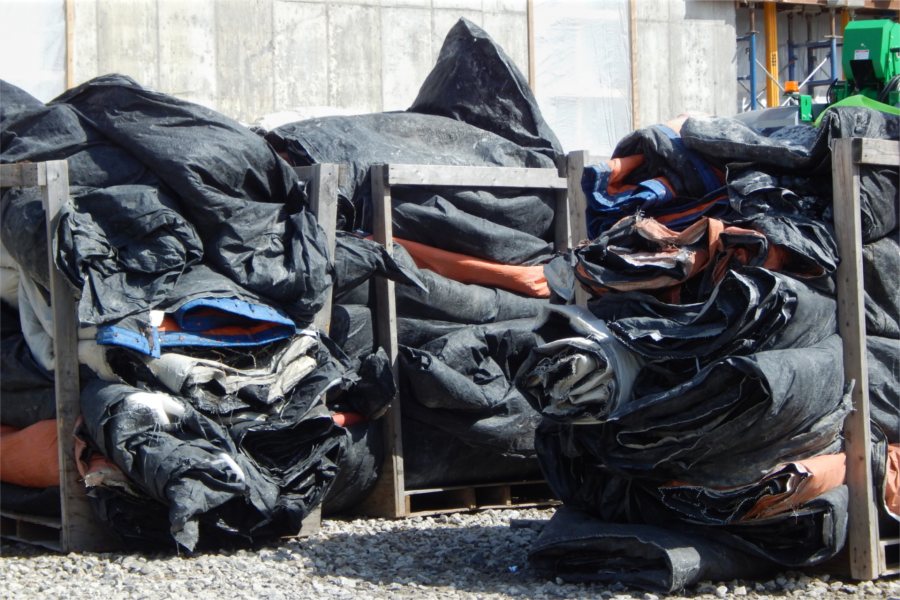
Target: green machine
[[871, 62]]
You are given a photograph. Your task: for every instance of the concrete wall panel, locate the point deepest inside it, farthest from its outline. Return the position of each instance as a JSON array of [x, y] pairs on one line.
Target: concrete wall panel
[[187, 51], [127, 39], [244, 57], [406, 54], [354, 57], [300, 75], [84, 40]]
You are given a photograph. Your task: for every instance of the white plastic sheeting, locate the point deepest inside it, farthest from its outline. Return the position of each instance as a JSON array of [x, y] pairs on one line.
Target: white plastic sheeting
[[33, 46], [583, 71]]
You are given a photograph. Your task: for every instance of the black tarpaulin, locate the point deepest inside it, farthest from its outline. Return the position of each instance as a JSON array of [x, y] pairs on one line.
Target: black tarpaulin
[[177, 457], [246, 203], [438, 223], [125, 248], [751, 309], [577, 372], [361, 141], [579, 548], [462, 383], [731, 421], [475, 81]]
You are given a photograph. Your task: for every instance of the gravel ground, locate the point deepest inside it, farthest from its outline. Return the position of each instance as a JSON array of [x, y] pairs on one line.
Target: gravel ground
[[451, 556]]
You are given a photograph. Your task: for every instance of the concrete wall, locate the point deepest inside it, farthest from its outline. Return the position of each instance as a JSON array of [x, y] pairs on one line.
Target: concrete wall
[[295, 59], [685, 59], [249, 58]]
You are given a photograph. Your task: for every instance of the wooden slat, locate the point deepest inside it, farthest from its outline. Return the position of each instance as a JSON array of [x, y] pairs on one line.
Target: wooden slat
[[448, 488], [51, 522], [387, 498], [23, 175], [878, 152], [863, 525], [447, 176], [562, 226], [323, 190], [80, 528], [577, 206]]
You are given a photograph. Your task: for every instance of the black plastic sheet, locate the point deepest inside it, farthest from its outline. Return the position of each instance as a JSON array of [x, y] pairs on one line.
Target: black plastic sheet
[[578, 372], [438, 223], [125, 247], [246, 203], [751, 309], [361, 141], [767, 408], [476, 82], [881, 281], [462, 383], [579, 548]]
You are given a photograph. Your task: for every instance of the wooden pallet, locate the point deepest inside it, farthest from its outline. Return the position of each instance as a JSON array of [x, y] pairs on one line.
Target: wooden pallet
[[77, 529], [870, 555], [391, 497], [520, 494]]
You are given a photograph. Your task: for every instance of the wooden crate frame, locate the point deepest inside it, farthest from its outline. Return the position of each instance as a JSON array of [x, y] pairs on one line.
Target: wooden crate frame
[[866, 548], [390, 497], [77, 529]]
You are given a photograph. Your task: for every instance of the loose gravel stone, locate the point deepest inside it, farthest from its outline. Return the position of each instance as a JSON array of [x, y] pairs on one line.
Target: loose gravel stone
[[476, 555]]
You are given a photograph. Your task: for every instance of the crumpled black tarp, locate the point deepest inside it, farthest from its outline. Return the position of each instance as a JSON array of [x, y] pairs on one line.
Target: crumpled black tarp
[[255, 479], [579, 548], [191, 465], [767, 408], [751, 309], [462, 383], [883, 355], [24, 232], [578, 372], [361, 141], [27, 392], [58, 131], [437, 222], [357, 259], [359, 467], [476, 82], [525, 211], [16, 101], [29, 501], [433, 457], [246, 203], [804, 536], [881, 280], [801, 151], [125, 247], [430, 296]]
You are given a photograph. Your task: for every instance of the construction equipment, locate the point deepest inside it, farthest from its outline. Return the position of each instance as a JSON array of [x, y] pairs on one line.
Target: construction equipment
[[871, 63]]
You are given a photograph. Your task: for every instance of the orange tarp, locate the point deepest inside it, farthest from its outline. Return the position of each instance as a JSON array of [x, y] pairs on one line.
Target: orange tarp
[[529, 281], [29, 457]]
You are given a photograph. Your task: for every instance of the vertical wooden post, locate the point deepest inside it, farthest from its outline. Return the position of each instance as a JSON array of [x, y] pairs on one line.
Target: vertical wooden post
[[562, 226], [773, 96], [862, 526], [387, 499], [80, 529], [575, 163], [323, 204]]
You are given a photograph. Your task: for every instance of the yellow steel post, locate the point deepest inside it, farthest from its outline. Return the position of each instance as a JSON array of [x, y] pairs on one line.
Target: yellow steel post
[[773, 96]]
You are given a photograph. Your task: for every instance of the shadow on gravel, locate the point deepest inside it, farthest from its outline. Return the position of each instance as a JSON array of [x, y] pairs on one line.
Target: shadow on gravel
[[473, 559]]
